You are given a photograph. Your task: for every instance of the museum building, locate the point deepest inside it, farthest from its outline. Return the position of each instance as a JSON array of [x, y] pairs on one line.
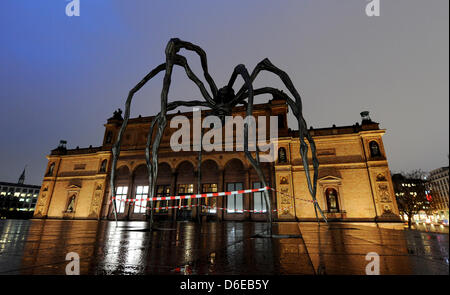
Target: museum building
[[354, 182]]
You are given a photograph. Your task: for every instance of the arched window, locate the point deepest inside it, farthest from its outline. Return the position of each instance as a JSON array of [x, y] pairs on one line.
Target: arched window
[[108, 137], [282, 155], [50, 169], [103, 166], [374, 149], [332, 200]]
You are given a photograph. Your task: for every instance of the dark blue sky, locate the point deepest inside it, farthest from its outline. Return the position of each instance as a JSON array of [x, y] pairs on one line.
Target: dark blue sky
[[61, 77]]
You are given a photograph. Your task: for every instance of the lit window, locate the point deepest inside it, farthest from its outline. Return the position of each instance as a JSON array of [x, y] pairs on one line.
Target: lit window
[[185, 189], [209, 202], [259, 204], [141, 199], [235, 203], [162, 191], [121, 196]]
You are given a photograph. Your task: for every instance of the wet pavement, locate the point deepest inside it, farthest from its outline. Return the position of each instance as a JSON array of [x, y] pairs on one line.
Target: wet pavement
[[41, 246]]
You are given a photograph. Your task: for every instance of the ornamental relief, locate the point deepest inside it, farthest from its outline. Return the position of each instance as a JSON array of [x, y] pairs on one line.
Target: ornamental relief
[[381, 177], [285, 198], [387, 209], [95, 206], [284, 180], [42, 200], [96, 201], [284, 195], [383, 193]]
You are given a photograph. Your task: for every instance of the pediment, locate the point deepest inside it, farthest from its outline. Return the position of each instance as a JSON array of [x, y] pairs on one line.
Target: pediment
[[74, 186], [329, 174], [330, 178]]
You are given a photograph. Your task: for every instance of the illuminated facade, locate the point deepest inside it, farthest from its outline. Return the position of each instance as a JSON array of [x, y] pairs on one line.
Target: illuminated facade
[[438, 179], [18, 200], [354, 179]]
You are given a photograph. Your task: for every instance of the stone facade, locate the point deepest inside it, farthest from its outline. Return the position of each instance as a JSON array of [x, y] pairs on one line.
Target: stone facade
[[354, 180]]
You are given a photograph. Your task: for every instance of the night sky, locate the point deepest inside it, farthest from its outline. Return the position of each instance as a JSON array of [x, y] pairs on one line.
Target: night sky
[[61, 77]]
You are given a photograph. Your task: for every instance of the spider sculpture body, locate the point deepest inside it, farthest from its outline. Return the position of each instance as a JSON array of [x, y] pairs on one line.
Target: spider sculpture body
[[220, 102]]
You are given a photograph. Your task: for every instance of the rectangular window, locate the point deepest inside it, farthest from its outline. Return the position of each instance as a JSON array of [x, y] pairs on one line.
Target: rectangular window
[[211, 203], [259, 204], [162, 191], [141, 199], [121, 196], [185, 189], [235, 203]]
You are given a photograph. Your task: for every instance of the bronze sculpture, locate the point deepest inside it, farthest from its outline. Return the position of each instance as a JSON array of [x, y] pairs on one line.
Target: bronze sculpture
[[221, 102]]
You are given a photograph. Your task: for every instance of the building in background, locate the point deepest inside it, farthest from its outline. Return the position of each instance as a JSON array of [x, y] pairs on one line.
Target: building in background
[[438, 183], [18, 200], [354, 181]]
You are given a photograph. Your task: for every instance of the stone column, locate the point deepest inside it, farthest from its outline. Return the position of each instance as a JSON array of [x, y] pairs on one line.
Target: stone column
[[247, 197], [131, 191], [173, 191], [220, 188], [195, 211]]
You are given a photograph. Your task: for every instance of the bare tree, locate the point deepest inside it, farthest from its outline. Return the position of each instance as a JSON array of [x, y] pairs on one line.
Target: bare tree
[[410, 191]]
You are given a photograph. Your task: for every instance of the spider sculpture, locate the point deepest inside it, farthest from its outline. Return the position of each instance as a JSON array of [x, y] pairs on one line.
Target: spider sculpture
[[220, 102]]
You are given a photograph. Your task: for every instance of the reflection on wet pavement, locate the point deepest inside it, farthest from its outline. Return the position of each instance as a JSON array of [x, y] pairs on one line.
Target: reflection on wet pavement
[[341, 248], [40, 247]]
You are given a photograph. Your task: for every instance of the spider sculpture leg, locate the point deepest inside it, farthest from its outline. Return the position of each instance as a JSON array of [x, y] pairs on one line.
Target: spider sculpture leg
[[116, 147], [296, 106], [242, 71], [172, 58], [199, 177], [150, 166], [179, 44], [117, 144]]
